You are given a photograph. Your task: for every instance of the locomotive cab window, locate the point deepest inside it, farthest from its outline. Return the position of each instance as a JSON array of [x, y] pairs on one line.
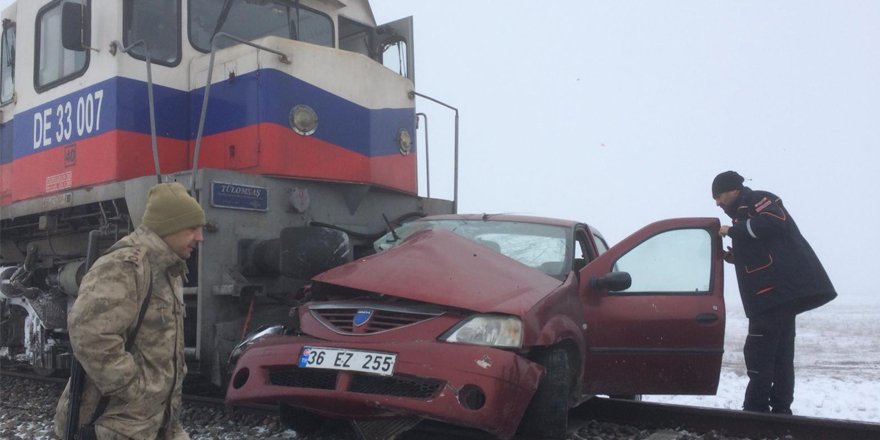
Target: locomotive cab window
[[55, 64], [394, 57], [149, 21], [7, 63], [354, 36], [251, 20]]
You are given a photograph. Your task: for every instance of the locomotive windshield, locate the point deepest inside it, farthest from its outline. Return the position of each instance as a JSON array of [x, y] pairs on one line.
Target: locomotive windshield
[[150, 21], [252, 19]]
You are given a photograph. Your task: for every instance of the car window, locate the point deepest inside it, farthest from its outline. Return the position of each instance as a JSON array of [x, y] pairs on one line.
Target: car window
[[678, 261], [600, 244], [543, 252], [582, 250], [542, 247]]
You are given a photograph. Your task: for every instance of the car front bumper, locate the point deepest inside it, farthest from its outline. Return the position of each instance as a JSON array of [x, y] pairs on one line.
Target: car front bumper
[[466, 385]]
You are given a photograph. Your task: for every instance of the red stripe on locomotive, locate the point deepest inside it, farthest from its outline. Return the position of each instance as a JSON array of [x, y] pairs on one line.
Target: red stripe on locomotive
[[109, 157], [258, 149], [275, 150]]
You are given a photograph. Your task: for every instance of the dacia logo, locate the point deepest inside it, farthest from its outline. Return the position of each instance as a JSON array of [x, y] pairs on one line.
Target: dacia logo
[[362, 317]]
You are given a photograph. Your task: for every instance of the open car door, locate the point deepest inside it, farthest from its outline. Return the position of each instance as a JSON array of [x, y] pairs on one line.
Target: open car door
[[664, 333]]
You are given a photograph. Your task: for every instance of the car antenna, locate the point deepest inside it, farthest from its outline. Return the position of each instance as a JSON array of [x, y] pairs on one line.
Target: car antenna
[[390, 228]]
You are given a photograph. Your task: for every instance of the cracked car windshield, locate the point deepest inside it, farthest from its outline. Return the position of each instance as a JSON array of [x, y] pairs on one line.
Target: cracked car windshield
[[542, 247], [252, 19]]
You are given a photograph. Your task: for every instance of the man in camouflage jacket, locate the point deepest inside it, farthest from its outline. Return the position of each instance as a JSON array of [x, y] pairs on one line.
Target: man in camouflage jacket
[[143, 385]]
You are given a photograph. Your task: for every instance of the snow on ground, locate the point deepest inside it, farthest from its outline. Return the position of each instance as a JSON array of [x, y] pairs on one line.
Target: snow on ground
[[837, 363]]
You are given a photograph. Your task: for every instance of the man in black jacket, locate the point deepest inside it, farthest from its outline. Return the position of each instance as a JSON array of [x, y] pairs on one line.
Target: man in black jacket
[[779, 276]]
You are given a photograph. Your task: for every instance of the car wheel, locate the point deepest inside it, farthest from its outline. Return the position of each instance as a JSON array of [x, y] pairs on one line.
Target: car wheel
[[547, 413], [303, 422]]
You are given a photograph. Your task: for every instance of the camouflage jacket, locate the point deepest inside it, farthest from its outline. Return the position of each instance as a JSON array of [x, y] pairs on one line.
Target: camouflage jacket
[[144, 385]]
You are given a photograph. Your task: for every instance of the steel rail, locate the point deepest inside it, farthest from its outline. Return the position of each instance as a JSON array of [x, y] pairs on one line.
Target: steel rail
[[641, 414], [725, 421]]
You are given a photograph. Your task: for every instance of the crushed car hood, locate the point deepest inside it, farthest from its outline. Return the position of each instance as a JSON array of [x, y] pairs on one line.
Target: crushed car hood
[[440, 267]]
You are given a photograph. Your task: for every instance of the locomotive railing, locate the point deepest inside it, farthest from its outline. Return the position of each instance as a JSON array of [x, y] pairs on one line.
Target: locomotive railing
[[455, 164], [116, 45]]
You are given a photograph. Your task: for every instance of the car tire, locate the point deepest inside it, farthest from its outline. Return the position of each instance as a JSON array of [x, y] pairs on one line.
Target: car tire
[[303, 422], [547, 414]]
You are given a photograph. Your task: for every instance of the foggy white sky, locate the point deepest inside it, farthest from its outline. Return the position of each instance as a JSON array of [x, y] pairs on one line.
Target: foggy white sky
[[619, 113]]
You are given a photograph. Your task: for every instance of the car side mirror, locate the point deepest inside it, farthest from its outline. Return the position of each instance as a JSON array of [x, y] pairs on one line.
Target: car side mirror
[[614, 281], [76, 27]]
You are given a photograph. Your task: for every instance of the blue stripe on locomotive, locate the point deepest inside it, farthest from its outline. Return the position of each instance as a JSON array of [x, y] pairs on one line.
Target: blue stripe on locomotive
[[340, 122], [232, 106]]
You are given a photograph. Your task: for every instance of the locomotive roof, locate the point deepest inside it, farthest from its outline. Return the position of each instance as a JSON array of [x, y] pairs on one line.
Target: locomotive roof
[[357, 10]]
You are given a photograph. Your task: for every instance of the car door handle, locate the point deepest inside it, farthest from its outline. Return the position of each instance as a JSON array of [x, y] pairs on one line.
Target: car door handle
[[706, 318]]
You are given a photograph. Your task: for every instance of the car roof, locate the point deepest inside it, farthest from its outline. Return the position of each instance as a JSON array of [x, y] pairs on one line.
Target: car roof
[[506, 218]]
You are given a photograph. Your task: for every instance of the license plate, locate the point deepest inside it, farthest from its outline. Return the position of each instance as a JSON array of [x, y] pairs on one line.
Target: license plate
[[348, 360]]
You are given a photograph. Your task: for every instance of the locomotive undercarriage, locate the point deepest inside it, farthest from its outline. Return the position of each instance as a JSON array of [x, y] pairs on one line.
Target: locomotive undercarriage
[[41, 263], [248, 273]]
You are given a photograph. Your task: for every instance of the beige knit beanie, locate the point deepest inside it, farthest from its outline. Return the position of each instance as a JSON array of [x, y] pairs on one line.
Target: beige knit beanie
[[171, 209]]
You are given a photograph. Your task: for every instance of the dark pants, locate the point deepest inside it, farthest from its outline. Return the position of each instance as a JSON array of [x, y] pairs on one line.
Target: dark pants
[[769, 356]]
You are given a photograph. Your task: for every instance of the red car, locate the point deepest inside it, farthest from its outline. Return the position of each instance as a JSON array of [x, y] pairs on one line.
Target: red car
[[496, 322]]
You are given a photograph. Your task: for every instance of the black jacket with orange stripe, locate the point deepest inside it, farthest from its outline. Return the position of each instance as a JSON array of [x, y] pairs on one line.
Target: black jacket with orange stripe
[[776, 268]]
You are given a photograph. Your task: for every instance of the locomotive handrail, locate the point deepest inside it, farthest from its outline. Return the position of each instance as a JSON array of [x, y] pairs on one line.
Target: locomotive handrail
[[116, 45], [455, 178], [281, 57], [427, 152]]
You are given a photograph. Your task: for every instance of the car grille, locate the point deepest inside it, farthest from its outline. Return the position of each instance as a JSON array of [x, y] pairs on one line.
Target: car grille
[[397, 386], [342, 319], [403, 386], [303, 378]]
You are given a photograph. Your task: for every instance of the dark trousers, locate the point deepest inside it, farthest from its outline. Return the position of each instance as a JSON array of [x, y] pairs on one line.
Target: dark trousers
[[769, 356]]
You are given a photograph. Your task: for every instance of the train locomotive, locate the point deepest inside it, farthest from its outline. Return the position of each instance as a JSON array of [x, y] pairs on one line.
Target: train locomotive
[[281, 117]]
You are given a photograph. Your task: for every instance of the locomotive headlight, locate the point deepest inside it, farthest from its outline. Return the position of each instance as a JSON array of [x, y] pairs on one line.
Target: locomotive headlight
[[491, 330], [303, 120], [404, 140]]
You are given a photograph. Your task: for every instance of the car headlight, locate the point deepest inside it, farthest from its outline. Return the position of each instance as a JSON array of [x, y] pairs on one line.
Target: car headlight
[[491, 330], [250, 339]]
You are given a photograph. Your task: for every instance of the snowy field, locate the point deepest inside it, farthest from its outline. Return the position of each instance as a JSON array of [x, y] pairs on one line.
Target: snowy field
[[837, 362]]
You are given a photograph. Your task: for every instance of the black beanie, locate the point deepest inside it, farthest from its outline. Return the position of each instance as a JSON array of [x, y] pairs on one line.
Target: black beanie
[[726, 181]]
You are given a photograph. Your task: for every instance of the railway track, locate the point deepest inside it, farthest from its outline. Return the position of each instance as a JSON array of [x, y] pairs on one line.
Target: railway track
[[651, 420], [724, 421]]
